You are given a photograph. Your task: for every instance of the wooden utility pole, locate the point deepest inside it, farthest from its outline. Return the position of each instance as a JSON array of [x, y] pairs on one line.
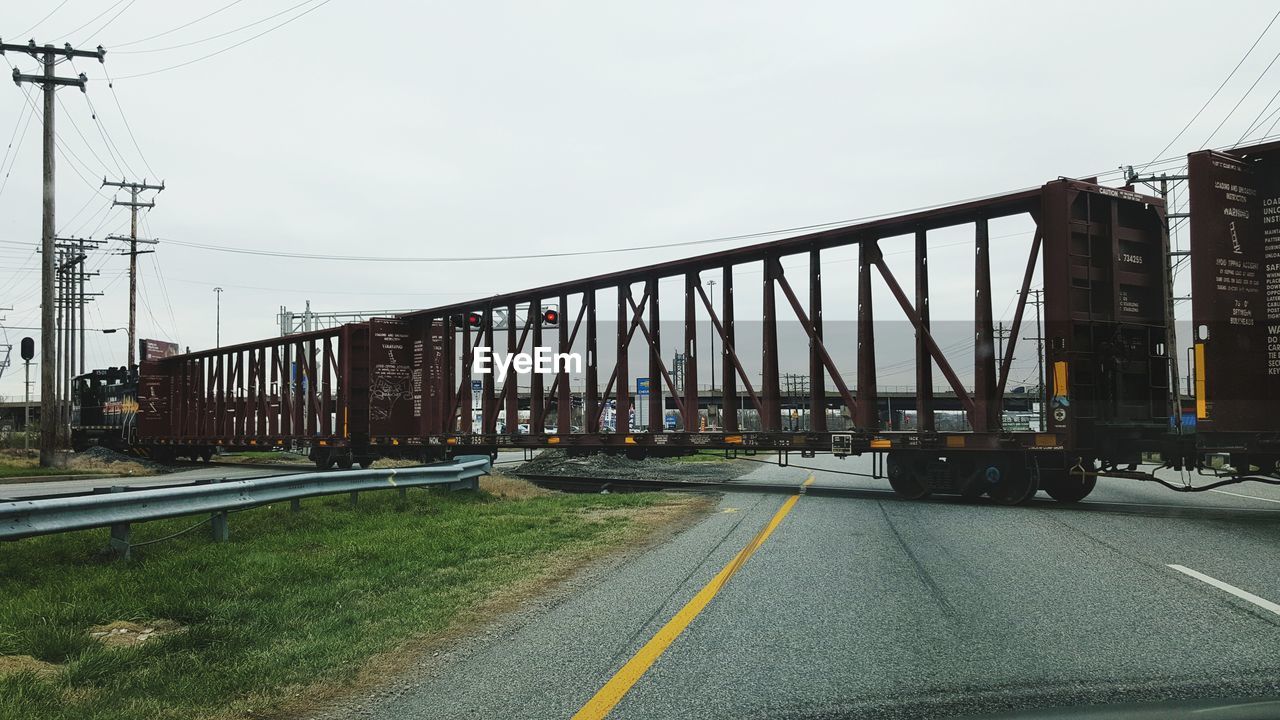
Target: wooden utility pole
[[133, 252], [71, 300], [48, 55]]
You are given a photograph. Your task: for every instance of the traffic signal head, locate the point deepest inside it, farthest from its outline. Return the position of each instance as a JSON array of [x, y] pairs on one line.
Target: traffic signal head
[[475, 319], [28, 348], [550, 316]]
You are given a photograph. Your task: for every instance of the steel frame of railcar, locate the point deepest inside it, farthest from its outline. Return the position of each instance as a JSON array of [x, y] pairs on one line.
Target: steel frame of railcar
[[314, 388]]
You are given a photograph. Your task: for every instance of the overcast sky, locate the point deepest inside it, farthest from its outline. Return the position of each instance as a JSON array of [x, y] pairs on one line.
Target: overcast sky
[[487, 129]]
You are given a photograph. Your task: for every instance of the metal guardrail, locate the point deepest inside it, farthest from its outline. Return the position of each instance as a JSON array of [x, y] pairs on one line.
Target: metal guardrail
[[118, 510]]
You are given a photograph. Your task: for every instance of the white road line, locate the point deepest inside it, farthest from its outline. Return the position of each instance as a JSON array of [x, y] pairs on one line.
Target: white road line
[[1251, 497], [1242, 594]]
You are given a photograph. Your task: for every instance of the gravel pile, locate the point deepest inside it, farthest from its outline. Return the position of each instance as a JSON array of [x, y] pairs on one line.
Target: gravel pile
[[557, 462], [98, 454]]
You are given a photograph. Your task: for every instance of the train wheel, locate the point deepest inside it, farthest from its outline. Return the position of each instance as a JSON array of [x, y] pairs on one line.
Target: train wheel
[[344, 461], [1068, 487], [206, 454], [905, 478], [1011, 484], [366, 462]]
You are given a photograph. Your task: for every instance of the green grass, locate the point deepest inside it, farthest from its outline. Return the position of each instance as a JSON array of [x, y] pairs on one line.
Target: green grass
[[24, 470], [295, 600]]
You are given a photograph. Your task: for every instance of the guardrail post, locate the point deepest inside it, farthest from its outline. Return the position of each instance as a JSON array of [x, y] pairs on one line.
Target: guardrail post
[[218, 524], [355, 497], [120, 535], [295, 504], [120, 541], [404, 493], [468, 484]]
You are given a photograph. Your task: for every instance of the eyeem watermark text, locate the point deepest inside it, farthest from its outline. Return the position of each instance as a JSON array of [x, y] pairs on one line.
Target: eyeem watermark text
[[542, 361]]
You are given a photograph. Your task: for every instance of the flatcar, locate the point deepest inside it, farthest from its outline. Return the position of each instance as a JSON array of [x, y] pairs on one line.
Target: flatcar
[[404, 386]]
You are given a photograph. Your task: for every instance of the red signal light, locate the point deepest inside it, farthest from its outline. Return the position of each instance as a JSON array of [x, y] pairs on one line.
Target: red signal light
[[550, 316], [475, 319]]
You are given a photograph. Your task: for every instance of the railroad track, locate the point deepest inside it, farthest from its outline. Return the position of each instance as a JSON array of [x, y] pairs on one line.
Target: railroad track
[[572, 483], [569, 483]]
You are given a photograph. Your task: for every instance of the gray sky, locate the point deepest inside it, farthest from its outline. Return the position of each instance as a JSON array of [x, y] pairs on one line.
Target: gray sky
[[464, 129]]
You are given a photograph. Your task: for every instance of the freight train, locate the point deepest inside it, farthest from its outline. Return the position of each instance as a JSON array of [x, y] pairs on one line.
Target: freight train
[[404, 386]]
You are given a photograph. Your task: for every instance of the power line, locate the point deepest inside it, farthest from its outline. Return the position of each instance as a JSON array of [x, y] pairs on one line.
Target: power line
[[96, 18], [574, 253], [92, 152], [1256, 123], [232, 47], [108, 23], [5, 182], [219, 35], [1215, 92], [180, 27], [46, 17], [111, 85], [1241, 100]]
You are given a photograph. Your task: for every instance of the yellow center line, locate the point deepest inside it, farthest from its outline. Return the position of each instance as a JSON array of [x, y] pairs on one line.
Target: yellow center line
[[808, 482], [603, 702]]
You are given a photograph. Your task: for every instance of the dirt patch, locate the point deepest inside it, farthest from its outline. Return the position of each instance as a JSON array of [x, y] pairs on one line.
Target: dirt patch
[[123, 633], [511, 488], [14, 664], [618, 467], [395, 463]]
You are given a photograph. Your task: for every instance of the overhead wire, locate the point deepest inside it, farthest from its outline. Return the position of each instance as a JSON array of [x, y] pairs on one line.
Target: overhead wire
[[46, 17], [228, 48], [108, 23], [213, 37], [1222, 85], [111, 85], [97, 17], [176, 29], [1241, 100], [1257, 121], [164, 287], [4, 182]]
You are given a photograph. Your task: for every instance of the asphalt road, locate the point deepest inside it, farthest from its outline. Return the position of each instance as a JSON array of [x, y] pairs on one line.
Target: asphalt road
[[875, 607]]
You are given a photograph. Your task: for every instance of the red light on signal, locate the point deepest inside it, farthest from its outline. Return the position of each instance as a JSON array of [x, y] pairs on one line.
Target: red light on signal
[[550, 317], [475, 319]]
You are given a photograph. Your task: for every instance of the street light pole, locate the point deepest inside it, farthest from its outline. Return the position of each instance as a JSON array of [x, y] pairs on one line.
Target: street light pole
[[218, 323]]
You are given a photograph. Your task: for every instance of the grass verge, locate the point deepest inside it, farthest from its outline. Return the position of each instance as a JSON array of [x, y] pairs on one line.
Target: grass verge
[[11, 470], [297, 606], [24, 464]]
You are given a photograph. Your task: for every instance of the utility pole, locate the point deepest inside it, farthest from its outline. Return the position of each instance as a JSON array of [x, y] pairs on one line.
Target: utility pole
[[82, 245], [1039, 357], [1001, 335], [49, 81], [711, 295], [133, 204], [1161, 184], [70, 300], [217, 343]]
